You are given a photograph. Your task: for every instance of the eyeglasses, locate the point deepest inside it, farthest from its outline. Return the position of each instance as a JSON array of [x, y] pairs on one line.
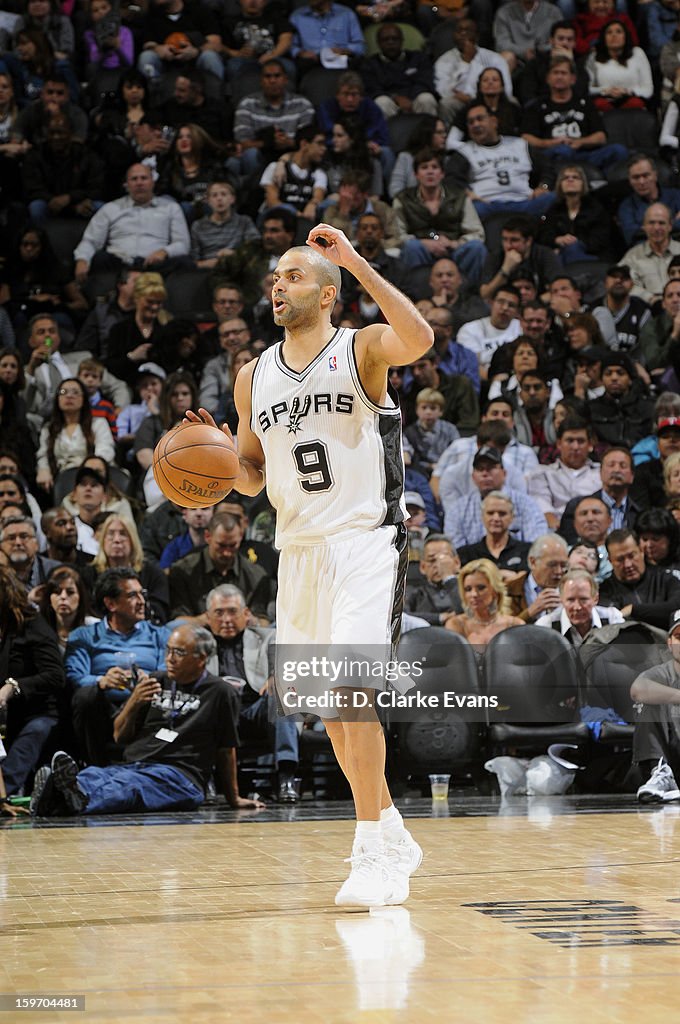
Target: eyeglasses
[[177, 652], [230, 334], [70, 392]]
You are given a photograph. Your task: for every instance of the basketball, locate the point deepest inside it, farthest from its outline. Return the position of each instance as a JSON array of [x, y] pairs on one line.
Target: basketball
[[195, 465]]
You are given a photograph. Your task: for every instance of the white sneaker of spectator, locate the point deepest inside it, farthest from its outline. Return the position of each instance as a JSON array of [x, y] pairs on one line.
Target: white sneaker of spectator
[[661, 786]]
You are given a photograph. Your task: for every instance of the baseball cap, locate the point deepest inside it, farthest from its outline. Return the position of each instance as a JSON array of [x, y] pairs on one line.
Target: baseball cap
[[622, 360], [487, 453], [89, 473], [674, 622], [413, 498], [592, 354], [668, 423], [620, 270], [152, 368]]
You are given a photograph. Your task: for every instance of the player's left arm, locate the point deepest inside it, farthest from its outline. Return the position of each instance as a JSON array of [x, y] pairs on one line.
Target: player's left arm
[[406, 336]]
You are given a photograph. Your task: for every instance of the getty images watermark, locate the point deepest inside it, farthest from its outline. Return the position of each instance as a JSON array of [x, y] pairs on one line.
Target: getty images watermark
[[345, 680], [604, 685]]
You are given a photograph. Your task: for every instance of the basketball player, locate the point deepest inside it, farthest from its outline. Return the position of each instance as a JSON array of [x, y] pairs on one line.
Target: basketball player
[[316, 416]]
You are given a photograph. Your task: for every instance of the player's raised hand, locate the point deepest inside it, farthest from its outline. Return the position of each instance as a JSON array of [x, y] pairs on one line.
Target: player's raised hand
[[203, 416], [333, 244]]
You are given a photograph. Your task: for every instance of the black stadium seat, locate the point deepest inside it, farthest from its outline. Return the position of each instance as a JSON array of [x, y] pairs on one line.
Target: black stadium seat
[[401, 128], [189, 293], [319, 84], [636, 129], [534, 674], [439, 738]]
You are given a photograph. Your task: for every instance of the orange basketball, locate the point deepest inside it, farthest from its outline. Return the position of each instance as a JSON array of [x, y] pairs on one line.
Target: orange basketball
[[195, 465], [177, 41]]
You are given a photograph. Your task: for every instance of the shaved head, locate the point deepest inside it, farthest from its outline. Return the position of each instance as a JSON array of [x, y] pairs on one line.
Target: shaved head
[[325, 271]]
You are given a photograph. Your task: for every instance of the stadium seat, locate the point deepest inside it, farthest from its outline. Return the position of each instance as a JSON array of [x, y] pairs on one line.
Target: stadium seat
[[401, 128], [417, 284], [441, 38], [246, 84], [189, 293], [64, 233], [438, 738], [636, 129], [65, 482], [589, 276], [493, 226], [534, 673], [413, 38], [610, 670], [319, 84]]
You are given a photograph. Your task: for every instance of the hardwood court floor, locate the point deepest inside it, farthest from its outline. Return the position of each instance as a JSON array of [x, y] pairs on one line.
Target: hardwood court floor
[[524, 918]]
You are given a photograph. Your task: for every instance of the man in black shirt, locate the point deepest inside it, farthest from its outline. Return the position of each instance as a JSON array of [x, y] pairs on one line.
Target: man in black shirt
[[177, 729], [190, 105], [177, 34], [566, 127], [623, 413], [630, 312], [220, 561], [257, 33], [645, 593], [245, 653]]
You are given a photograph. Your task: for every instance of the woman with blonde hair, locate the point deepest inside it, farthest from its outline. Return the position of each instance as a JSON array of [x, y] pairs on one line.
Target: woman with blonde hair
[[485, 601], [671, 476], [120, 547], [131, 340], [576, 226]]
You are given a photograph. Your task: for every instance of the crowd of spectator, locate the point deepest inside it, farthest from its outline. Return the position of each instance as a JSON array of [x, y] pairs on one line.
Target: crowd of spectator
[[157, 158]]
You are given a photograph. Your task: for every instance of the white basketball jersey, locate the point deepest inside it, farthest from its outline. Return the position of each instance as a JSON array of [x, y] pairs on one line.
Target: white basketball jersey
[[333, 457]]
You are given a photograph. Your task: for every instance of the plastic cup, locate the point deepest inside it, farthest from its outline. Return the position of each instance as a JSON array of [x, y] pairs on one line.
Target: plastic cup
[[439, 785], [127, 661]]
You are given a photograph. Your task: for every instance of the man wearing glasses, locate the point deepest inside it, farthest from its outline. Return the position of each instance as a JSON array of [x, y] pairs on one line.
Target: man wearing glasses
[[216, 381], [227, 303], [102, 660], [19, 541], [177, 728]]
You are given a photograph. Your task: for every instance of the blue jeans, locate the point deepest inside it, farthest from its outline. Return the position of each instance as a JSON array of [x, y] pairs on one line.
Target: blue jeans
[[535, 206], [151, 65], [469, 258], [260, 719], [24, 751], [237, 66], [121, 788], [601, 156], [38, 211], [387, 159], [572, 253]]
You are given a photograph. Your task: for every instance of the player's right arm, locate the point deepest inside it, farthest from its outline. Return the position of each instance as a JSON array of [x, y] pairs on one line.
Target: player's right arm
[[251, 475]]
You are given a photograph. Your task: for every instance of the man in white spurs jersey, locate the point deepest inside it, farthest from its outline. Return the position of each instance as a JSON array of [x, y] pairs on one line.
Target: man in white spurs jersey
[[316, 416]]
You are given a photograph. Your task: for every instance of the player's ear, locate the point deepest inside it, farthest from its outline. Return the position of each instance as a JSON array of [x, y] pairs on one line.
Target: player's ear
[[329, 294]]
